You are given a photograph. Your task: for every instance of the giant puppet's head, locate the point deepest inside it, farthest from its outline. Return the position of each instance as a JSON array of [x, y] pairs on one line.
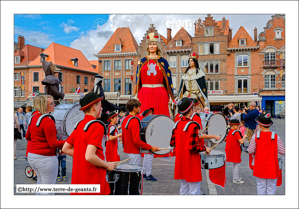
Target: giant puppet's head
[[98, 80], [153, 38], [50, 68]]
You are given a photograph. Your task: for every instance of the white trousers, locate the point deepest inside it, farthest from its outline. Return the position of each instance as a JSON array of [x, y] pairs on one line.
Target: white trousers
[[236, 167], [135, 159], [189, 188], [266, 186], [147, 164], [45, 167]]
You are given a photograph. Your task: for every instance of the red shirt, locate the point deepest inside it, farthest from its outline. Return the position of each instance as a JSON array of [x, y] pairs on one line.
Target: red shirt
[[131, 137], [43, 138], [195, 117], [266, 157], [83, 171], [232, 147], [187, 144], [112, 154], [177, 117]]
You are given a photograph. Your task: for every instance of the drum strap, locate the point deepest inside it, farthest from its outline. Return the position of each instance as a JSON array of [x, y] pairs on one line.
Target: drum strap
[[175, 125], [193, 115], [77, 124], [29, 122], [187, 125], [130, 120], [258, 134], [95, 121], [273, 135], [42, 117], [237, 131]]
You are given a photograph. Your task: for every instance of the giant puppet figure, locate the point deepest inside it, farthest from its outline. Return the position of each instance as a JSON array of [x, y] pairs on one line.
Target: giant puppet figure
[[193, 83], [107, 106], [153, 79], [52, 82]]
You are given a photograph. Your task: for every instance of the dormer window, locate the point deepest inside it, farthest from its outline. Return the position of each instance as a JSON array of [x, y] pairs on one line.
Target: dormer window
[[179, 43], [117, 48], [43, 57], [209, 32], [278, 34], [242, 42], [17, 59], [75, 61]]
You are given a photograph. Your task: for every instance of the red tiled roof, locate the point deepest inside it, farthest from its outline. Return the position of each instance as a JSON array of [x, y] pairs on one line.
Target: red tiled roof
[[61, 55], [183, 35], [226, 29], [122, 36], [27, 53], [94, 62], [163, 39], [241, 34]]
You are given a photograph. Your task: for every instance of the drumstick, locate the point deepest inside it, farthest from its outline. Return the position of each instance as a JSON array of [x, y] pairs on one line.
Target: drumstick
[[205, 128], [217, 143], [120, 162], [165, 148]]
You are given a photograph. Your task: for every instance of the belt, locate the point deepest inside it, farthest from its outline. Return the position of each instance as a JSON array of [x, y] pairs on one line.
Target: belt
[[152, 85]]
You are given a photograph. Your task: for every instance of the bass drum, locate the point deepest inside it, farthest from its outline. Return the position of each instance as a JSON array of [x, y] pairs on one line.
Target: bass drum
[[217, 125], [156, 130], [66, 116]]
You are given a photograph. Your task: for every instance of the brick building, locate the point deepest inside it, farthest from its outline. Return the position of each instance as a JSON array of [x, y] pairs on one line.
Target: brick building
[[114, 62]]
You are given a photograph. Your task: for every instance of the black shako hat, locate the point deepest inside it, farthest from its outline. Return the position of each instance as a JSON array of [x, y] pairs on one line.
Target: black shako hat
[[264, 119], [88, 100], [185, 105], [146, 113], [112, 115], [234, 122]]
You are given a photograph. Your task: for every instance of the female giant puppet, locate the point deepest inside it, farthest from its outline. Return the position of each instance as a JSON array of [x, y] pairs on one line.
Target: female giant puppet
[[193, 83], [153, 80]]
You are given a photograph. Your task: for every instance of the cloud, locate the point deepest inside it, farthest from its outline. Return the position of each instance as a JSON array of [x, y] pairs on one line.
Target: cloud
[[35, 38], [92, 41], [68, 28]]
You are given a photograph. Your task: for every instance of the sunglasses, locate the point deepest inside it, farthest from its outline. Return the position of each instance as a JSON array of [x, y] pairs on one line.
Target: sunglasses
[[52, 104]]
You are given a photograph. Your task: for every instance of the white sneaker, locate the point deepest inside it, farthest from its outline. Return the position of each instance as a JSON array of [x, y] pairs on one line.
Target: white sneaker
[[240, 178], [238, 181]]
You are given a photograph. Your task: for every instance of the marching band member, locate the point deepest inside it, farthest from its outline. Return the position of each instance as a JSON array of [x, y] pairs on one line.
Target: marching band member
[[85, 146], [112, 153], [195, 117], [186, 139], [42, 134], [233, 149], [131, 134], [266, 145]]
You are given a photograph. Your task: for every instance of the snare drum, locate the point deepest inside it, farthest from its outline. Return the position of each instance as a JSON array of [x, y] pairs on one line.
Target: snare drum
[[217, 125], [213, 160], [156, 130], [125, 179], [66, 116]]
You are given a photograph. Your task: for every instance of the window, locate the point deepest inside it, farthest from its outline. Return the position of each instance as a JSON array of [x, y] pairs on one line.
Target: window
[[283, 81], [172, 61], [76, 63], [185, 59], [211, 67], [117, 48], [174, 81], [42, 58], [107, 85], [270, 81], [85, 90], [209, 48], [117, 85], [17, 59], [213, 85], [107, 65], [78, 79], [60, 77], [179, 43], [242, 86], [60, 88], [242, 60], [22, 93], [17, 91], [278, 34], [128, 64], [208, 31], [17, 76], [85, 80], [270, 56], [117, 64], [128, 86], [35, 76], [35, 89], [92, 79], [242, 42]]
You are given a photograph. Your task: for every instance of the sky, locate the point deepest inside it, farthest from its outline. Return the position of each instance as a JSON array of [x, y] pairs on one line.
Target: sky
[[90, 32]]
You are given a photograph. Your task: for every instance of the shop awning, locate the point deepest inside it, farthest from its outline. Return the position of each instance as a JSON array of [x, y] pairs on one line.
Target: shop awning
[[217, 100]]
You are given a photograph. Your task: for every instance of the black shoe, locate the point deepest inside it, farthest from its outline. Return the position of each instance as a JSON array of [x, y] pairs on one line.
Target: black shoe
[[151, 178], [34, 178], [144, 176]]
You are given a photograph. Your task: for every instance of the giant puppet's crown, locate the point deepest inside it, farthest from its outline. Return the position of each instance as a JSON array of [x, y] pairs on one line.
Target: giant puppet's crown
[[153, 37], [194, 55]]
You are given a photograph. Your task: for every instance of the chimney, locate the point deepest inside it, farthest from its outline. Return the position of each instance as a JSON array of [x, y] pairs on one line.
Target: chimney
[[255, 34], [223, 23], [168, 35], [41, 50], [230, 34], [21, 42]]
